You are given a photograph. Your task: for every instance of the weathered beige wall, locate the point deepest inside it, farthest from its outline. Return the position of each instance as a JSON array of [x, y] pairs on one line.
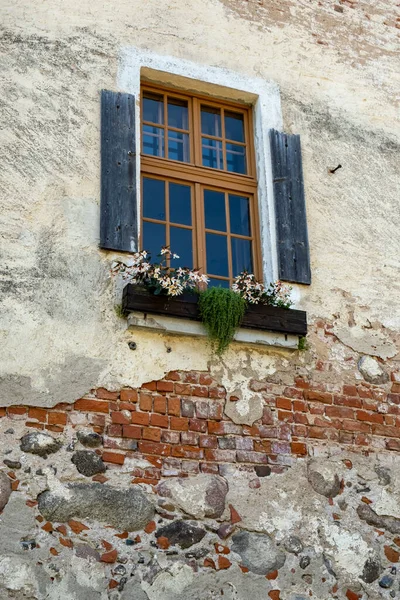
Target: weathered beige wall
[[338, 76]]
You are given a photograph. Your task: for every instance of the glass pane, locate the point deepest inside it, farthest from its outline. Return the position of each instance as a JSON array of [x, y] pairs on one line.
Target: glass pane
[[153, 239], [153, 108], [178, 114], [217, 254], [212, 153], [218, 283], [181, 244], [153, 198], [214, 210], [239, 214], [180, 210], [178, 146], [241, 256], [234, 126], [211, 121], [235, 158], [153, 140]]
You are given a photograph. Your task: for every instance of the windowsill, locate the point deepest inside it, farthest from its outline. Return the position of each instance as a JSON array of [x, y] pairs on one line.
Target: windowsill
[[262, 325]]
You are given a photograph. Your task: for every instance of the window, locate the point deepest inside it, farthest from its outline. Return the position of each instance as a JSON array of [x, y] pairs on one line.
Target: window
[[198, 183]]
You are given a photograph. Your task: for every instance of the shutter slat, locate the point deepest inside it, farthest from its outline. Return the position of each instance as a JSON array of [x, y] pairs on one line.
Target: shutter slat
[[290, 208], [118, 205]]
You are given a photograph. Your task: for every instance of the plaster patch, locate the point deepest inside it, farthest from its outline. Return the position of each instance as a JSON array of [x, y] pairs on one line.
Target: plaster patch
[[365, 341]]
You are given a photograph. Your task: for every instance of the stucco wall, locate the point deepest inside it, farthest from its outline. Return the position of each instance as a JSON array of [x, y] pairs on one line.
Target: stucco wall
[[336, 68]]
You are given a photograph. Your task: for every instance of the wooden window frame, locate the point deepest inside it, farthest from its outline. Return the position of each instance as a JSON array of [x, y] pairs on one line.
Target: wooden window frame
[[200, 177]]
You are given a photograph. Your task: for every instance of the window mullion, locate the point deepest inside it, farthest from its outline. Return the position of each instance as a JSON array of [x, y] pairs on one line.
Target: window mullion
[[200, 228], [228, 235]]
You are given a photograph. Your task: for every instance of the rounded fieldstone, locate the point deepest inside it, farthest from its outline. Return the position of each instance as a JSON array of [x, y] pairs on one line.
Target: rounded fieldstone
[[386, 582], [181, 533], [89, 439], [371, 370], [258, 552], [371, 571], [5, 489], [384, 475], [125, 509], [88, 463], [12, 464], [293, 544], [39, 443], [304, 562], [323, 478]]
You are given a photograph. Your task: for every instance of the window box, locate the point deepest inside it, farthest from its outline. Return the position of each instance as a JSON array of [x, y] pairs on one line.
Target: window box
[[257, 317]]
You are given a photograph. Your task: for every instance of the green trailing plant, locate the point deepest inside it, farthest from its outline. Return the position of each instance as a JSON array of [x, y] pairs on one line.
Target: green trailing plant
[[302, 345], [221, 311]]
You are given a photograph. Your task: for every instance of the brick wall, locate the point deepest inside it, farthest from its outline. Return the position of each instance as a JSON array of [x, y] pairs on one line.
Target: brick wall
[[178, 425]]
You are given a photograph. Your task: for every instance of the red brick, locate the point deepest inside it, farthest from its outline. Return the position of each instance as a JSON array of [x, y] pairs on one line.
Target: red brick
[[300, 418], [55, 428], [34, 424], [120, 418], [145, 401], [207, 441], [284, 415], [104, 394], [301, 383], [174, 406], [127, 406], [114, 430], [17, 410], [215, 410], [220, 455], [77, 527], [205, 379], [109, 557], [251, 457], [395, 398], [298, 448], [253, 431], [170, 437], [284, 403], [350, 390], [150, 433], [187, 408], [173, 376], [223, 562], [345, 437], [262, 446], [316, 396], [66, 542], [216, 392], [300, 406], [191, 377], [150, 385], [37, 413], [267, 418], [350, 595], [187, 452], [132, 432], [291, 392], [129, 395], [99, 420], [202, 409], [150, 527], [159, 421], [198, 425], [165, 386], [386, 430], [56, 418], [201, 391], [350, 401], [299, 430], [140, 418], [113, 457], [183, 388], [364, 392], [392, 444], [316, 432], [153, 448], [86, 405], [339, 411], [224, 427], [348, 425], [362, 415], [395, 388], [361, 439], [179, 423], [317, 409], [3, 412], [209, 468], [190, 437], [160, 405]]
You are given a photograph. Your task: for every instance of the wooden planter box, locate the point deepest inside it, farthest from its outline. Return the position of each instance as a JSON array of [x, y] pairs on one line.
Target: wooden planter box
[[258, 316]]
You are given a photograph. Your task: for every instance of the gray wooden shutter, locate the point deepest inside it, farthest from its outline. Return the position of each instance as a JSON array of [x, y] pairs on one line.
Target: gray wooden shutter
[[118, 204], [290, 208]]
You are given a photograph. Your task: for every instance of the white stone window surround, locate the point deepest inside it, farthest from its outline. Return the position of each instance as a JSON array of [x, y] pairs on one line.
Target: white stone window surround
[[137, 65]]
